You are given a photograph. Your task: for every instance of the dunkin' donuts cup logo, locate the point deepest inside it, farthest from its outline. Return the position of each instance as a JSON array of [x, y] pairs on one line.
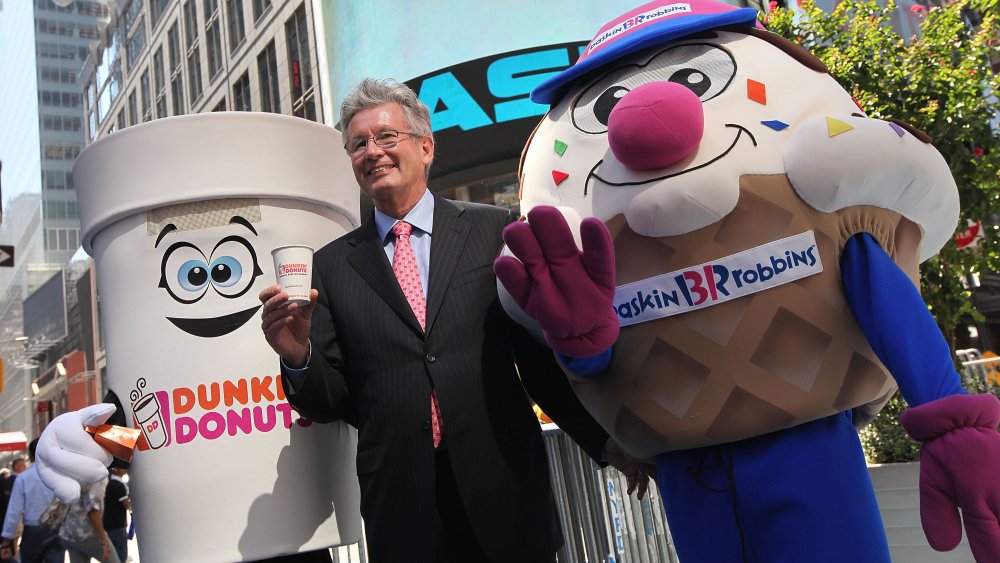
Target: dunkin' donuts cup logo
[[227, 409], [293, 270]]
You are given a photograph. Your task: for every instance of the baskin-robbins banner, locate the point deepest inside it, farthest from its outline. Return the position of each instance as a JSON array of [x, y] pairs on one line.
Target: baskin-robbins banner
[[718, 281], [181, 215]]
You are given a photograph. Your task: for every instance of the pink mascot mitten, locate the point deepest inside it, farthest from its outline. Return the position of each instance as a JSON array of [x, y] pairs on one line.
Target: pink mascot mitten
[[958, 469], [568, 292]]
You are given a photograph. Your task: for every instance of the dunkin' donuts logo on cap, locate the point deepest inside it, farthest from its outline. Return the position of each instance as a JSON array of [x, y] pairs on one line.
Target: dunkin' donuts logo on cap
[[636, 20], [292, 269]]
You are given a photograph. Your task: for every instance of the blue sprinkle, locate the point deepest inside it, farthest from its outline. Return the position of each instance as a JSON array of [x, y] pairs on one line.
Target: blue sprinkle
[[775, 124]]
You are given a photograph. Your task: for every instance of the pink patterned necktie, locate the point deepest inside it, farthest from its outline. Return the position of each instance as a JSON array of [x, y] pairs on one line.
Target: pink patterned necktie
[[404, 266]]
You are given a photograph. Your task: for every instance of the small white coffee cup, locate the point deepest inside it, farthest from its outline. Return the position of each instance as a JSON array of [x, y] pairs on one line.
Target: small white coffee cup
[[293, 270]]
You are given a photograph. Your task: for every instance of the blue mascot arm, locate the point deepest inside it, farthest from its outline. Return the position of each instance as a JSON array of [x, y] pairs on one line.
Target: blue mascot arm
[[896, 322], [590, 366]]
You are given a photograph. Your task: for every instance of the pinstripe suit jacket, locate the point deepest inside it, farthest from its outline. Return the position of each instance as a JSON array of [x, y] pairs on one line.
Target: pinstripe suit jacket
[[374, 367]]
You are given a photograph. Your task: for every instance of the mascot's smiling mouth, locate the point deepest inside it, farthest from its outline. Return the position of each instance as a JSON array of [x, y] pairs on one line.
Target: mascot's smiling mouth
[[215, 326], [739, 133]]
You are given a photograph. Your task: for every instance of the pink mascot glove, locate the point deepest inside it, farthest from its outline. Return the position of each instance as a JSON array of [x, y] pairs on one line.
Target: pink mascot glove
[[958, 469], [568, 292]]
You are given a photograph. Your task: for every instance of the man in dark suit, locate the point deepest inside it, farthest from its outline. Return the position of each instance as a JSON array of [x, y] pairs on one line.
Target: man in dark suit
[[405, 339]]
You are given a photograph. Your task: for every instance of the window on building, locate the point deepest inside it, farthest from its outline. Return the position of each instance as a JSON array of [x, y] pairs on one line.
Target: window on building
[[159, 78], [135, 44], [59, 99], [60, 151], [299, 65], [91, 8], [190, 22], [57, 179], [147, 107], [161, 107], [177, 93], [193, 51], [61, 123], [267, 72], [62, 239], [120, 120], [174, 47], [259, 7], [132, 14], [194, 73], [237, 32], [241, 93], [213, 38], [115, 83], [221, 106], [53, 74], [156, 9], [160, 85], [133, 109]]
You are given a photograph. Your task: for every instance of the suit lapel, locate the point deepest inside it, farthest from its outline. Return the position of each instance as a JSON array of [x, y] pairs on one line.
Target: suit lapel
[[451, 231], [369, 260]]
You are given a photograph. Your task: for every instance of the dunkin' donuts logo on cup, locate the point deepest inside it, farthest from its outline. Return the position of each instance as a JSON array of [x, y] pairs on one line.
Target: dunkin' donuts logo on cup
[[292, 270], [211, 411]]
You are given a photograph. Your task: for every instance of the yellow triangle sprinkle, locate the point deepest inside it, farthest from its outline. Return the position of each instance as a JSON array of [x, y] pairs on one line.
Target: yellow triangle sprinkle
[[836, 127]]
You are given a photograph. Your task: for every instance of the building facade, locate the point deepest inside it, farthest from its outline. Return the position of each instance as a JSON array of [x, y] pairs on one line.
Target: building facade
[[62, 42], [158, 58], [45, 45]]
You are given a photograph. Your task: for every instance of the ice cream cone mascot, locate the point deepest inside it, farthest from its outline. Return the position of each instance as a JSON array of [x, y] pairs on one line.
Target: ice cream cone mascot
[[181, 215], [746, 292]]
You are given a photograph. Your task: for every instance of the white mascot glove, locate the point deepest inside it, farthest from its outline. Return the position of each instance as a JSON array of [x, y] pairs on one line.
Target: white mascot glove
[[67, 455]]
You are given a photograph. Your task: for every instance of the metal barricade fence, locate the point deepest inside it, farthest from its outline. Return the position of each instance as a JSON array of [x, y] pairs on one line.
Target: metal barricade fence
[[600, 522], [982, 367]]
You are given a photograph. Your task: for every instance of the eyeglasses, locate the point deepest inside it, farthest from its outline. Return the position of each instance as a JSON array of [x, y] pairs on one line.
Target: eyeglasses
[[385, 140]]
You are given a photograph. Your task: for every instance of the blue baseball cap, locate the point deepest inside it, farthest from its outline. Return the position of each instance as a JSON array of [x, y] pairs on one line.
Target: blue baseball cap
[[651, 24]]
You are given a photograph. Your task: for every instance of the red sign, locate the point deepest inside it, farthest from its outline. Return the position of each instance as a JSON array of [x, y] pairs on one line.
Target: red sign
[[968, 237]]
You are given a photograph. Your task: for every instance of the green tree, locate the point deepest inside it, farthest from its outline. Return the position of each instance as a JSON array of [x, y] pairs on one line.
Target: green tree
[[941, 82]]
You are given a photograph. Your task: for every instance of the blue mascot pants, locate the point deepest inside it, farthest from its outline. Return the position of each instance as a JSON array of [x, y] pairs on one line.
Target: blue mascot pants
[[801, 494]]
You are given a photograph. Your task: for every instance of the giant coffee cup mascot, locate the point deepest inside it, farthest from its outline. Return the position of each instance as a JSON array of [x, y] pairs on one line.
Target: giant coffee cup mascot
[[181, 215], [746, 291]]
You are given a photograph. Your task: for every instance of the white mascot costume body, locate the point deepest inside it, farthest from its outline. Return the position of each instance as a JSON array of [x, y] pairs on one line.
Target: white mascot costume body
[[181, 215]]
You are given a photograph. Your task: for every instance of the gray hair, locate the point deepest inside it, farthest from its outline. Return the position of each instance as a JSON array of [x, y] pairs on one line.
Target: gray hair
[[371, 92]]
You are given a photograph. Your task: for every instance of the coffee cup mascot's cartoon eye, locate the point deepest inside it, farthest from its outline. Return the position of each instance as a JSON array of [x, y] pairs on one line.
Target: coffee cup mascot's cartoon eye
[[746, 294]]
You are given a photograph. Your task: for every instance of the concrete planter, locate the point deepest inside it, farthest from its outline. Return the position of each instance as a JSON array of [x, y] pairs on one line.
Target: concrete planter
[[899, 501]]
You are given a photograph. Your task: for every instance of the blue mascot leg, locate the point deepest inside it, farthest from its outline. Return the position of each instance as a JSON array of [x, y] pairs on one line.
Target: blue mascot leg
[[801, 494]]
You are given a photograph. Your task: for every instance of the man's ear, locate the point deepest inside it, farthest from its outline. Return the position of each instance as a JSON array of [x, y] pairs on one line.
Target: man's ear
[[427, 150]]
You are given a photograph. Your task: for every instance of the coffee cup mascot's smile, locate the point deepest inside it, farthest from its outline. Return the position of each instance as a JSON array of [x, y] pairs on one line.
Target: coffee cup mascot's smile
[[746, 294]]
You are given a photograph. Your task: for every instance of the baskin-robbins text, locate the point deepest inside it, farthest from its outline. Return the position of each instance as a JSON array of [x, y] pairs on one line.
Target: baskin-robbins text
[[757, 269], [638, 19]]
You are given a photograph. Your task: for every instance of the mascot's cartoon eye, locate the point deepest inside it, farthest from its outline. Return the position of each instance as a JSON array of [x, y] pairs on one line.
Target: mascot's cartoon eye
[[226, 271], [192, 275], [234, 267], [184, 272], [693, 79], [707, 70], [607, 102]]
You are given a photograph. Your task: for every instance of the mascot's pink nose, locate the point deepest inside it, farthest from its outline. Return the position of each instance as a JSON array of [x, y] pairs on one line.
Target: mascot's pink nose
[[655, 125]]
